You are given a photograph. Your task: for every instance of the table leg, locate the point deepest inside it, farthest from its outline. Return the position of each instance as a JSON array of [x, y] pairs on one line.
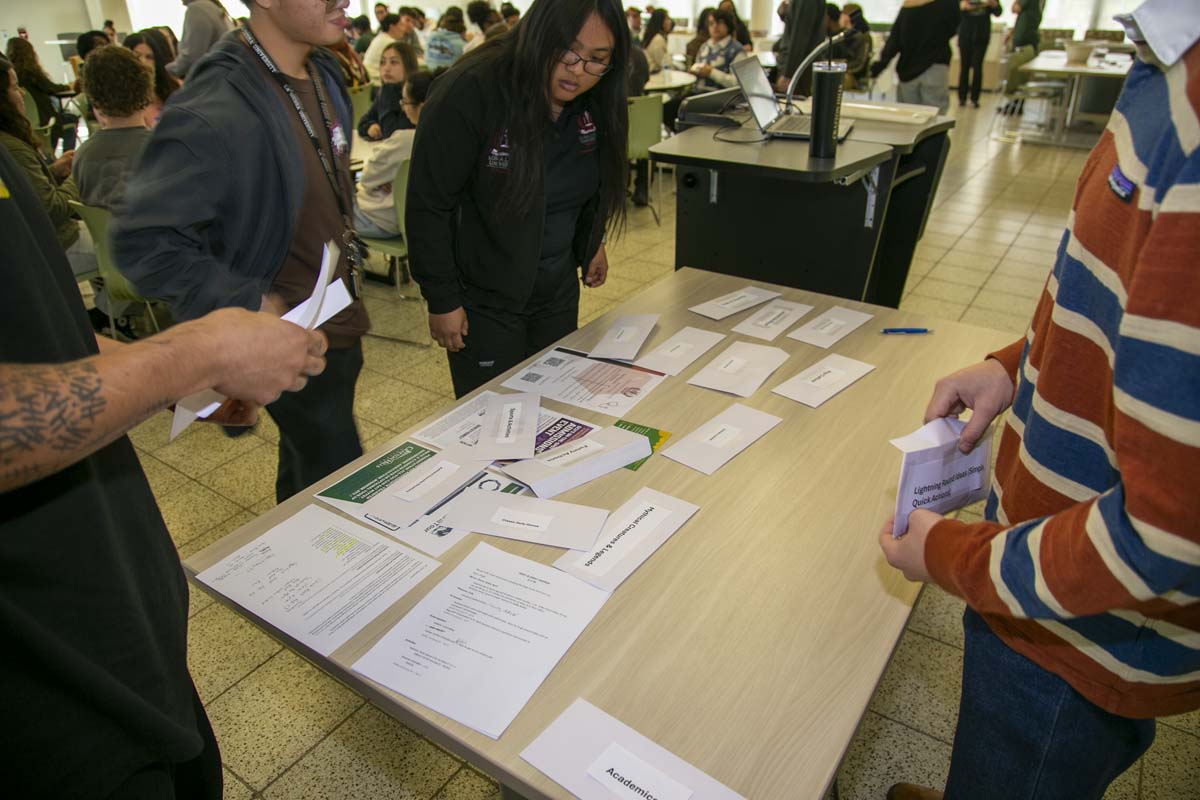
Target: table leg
[[1071, 103], [508, 794]]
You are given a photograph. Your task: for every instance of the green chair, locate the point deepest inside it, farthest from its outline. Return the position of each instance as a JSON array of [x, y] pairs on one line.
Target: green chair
[[360, 101], [645, 131], [40, 132], [396, 249], [116, 287]]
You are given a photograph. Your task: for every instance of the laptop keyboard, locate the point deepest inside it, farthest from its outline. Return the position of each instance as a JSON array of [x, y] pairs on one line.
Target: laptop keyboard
[[793, 123]]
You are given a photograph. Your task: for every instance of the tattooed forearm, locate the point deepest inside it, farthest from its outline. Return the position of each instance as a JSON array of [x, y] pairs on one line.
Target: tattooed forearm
[[48, 407]]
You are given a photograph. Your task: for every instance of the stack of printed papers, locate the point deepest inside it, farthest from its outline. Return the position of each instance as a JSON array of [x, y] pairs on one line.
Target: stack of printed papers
[[580, 461]]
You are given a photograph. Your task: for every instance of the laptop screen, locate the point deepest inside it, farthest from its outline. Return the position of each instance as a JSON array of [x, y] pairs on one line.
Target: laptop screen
[[759, 95]]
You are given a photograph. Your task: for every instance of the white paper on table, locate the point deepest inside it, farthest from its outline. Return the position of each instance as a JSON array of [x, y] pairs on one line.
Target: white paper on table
[[630, 536], [823, 380], [710, 446], [509, 427], [729, 304], [317, 577], [772, 319], [934, 475], [457, 431], [575, 463], [675, 354], [476, 654], [571, 377], [527, 519], [330, 299], [430, 534], [582, 735], [625, 337], [396, 489], [740, 369], [830, 327]]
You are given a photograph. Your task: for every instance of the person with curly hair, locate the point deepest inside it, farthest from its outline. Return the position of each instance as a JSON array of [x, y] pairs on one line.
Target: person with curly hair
[[51, 180], [117, 84], [38, 85], [151, 47]]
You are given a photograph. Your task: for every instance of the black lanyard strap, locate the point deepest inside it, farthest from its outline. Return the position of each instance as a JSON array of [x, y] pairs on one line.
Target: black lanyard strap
[[326, 166]]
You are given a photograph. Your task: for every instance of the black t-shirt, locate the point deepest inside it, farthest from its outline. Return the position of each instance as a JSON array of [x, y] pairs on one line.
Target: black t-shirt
[[572, 177], [93, 601]]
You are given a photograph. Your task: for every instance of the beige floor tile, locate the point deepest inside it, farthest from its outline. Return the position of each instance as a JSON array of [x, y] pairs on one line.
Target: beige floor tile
[[977, 262], [933, 308], [995, 319], [942, 240], [394, 359], [979, 247], [929, 252], [955, 274], [645, 272], [1188, 723], [266, 429], [161, 477], [920, 266], [389, 402], [152, 434], [368, 757], [248, 478], [1024, 269], [235, 789], [204, 447], [884, 752], [1011, 304], [1171, 767], [431, 374], [262, 506], [1029, 256], [193, 509], [921, 685], [1127, 786], [1014, 285], [378, 440], [273, 716], [938, 615], [957, 293], [1047, 247], [1050, 231], [223, 648], [469, 785], [991, 236]]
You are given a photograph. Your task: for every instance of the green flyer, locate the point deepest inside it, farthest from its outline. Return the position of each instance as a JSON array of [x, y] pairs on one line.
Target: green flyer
[[655, 436]]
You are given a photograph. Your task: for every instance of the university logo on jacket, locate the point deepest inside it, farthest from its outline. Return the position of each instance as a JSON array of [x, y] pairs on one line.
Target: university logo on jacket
[[587, 132]]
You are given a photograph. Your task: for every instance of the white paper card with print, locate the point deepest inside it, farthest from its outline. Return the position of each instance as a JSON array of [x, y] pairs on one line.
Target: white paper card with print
[[772, 319], [318, 577], [430, 534], [575, 463], [729, 304], [935, 475], [581, 738], [632, 534], [510, 423], [823, 380], [714, 443], [830, 327], [571, 377], [527, 519], [740, 369], [675, 354], [625, 337], [475, 653]]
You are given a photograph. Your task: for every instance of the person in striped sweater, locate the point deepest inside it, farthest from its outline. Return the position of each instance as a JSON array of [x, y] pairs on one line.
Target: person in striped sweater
[[1083, 583]]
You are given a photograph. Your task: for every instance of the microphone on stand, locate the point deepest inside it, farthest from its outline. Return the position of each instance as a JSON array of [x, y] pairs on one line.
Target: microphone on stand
[[827, 44]]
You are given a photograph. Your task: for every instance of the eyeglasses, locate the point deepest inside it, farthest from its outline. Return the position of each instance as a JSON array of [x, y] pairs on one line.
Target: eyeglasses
[[570, 58]]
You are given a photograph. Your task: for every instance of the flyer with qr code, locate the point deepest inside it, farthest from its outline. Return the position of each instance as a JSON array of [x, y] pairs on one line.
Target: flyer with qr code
[[568, 376]]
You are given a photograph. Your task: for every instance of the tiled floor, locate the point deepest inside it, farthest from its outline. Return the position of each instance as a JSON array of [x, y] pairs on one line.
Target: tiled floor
[[289, 731]]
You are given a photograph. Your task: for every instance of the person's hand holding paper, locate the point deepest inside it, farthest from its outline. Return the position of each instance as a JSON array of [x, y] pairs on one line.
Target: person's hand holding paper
[[907, 553], [985, 388]]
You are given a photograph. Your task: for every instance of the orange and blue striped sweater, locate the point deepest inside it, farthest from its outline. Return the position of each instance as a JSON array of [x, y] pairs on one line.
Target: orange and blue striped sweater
[[1089, 563]]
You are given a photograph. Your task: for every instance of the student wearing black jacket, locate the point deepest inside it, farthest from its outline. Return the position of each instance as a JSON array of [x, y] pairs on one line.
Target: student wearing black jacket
[[385, 116], [974, 33], [519, 165], [921, 37], [231, 202]]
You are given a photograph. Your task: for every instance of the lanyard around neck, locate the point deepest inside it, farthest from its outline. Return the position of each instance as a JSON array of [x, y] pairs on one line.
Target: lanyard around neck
[[326, 166]]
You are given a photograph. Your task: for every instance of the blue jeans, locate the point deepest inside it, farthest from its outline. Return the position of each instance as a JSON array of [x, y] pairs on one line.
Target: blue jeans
[[1024, 733], [364, 227]]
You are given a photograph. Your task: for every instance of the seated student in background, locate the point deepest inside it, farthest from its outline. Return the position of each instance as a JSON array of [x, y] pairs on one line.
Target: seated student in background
[[510, 14], [390, 30], [410, 19], [693, 47], [385, 116], [446, 44], [151, 47], [117, 86], [37, 84], [51, 180], [654, 39], [374, 205], [360, 28], [714, 61], [739, 29], [484, 18], [858, 50]]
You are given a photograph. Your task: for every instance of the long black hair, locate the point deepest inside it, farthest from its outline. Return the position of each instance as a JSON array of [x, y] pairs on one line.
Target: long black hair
[[658, 20], [12, 119], [527, 56], [164, 82]]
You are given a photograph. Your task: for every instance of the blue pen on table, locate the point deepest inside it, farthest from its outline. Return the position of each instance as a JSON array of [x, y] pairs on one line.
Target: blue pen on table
[[905, 330]]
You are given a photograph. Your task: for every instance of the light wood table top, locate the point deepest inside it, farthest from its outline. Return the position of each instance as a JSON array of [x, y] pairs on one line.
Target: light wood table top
[[1054, 62], [669, 79], [750, 644]]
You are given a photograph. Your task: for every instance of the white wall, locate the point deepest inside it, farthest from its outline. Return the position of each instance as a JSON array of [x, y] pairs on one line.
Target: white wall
[[45, 19]]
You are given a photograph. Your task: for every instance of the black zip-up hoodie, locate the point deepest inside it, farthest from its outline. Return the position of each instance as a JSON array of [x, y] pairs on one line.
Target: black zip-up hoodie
[[211, 205], [464, 247]]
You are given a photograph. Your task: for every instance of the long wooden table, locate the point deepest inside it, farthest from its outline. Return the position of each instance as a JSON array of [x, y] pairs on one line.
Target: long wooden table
[[752, 641]]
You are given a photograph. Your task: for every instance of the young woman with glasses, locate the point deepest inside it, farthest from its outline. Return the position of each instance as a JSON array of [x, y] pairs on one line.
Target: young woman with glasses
[[518, 168]]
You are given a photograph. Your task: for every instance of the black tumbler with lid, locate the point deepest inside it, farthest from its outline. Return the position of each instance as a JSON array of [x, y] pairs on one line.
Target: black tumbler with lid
[[827, 82]]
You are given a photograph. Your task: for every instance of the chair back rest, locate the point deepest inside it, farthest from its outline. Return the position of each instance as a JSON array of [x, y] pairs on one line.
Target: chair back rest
[[400, 196], [115, 285], [1048, 37], [645, 125], [360, 101], [1013, 77]]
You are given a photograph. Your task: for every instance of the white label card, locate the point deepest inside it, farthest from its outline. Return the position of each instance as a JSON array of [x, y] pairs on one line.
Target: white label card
[[721, 436], [729, 304], [510, 421], [678, 350], [772, 319], [624, 334], [522, 520], [732, 365], [627, 776], [823, 380], [424, 478], [561, 456], [830, 327]]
